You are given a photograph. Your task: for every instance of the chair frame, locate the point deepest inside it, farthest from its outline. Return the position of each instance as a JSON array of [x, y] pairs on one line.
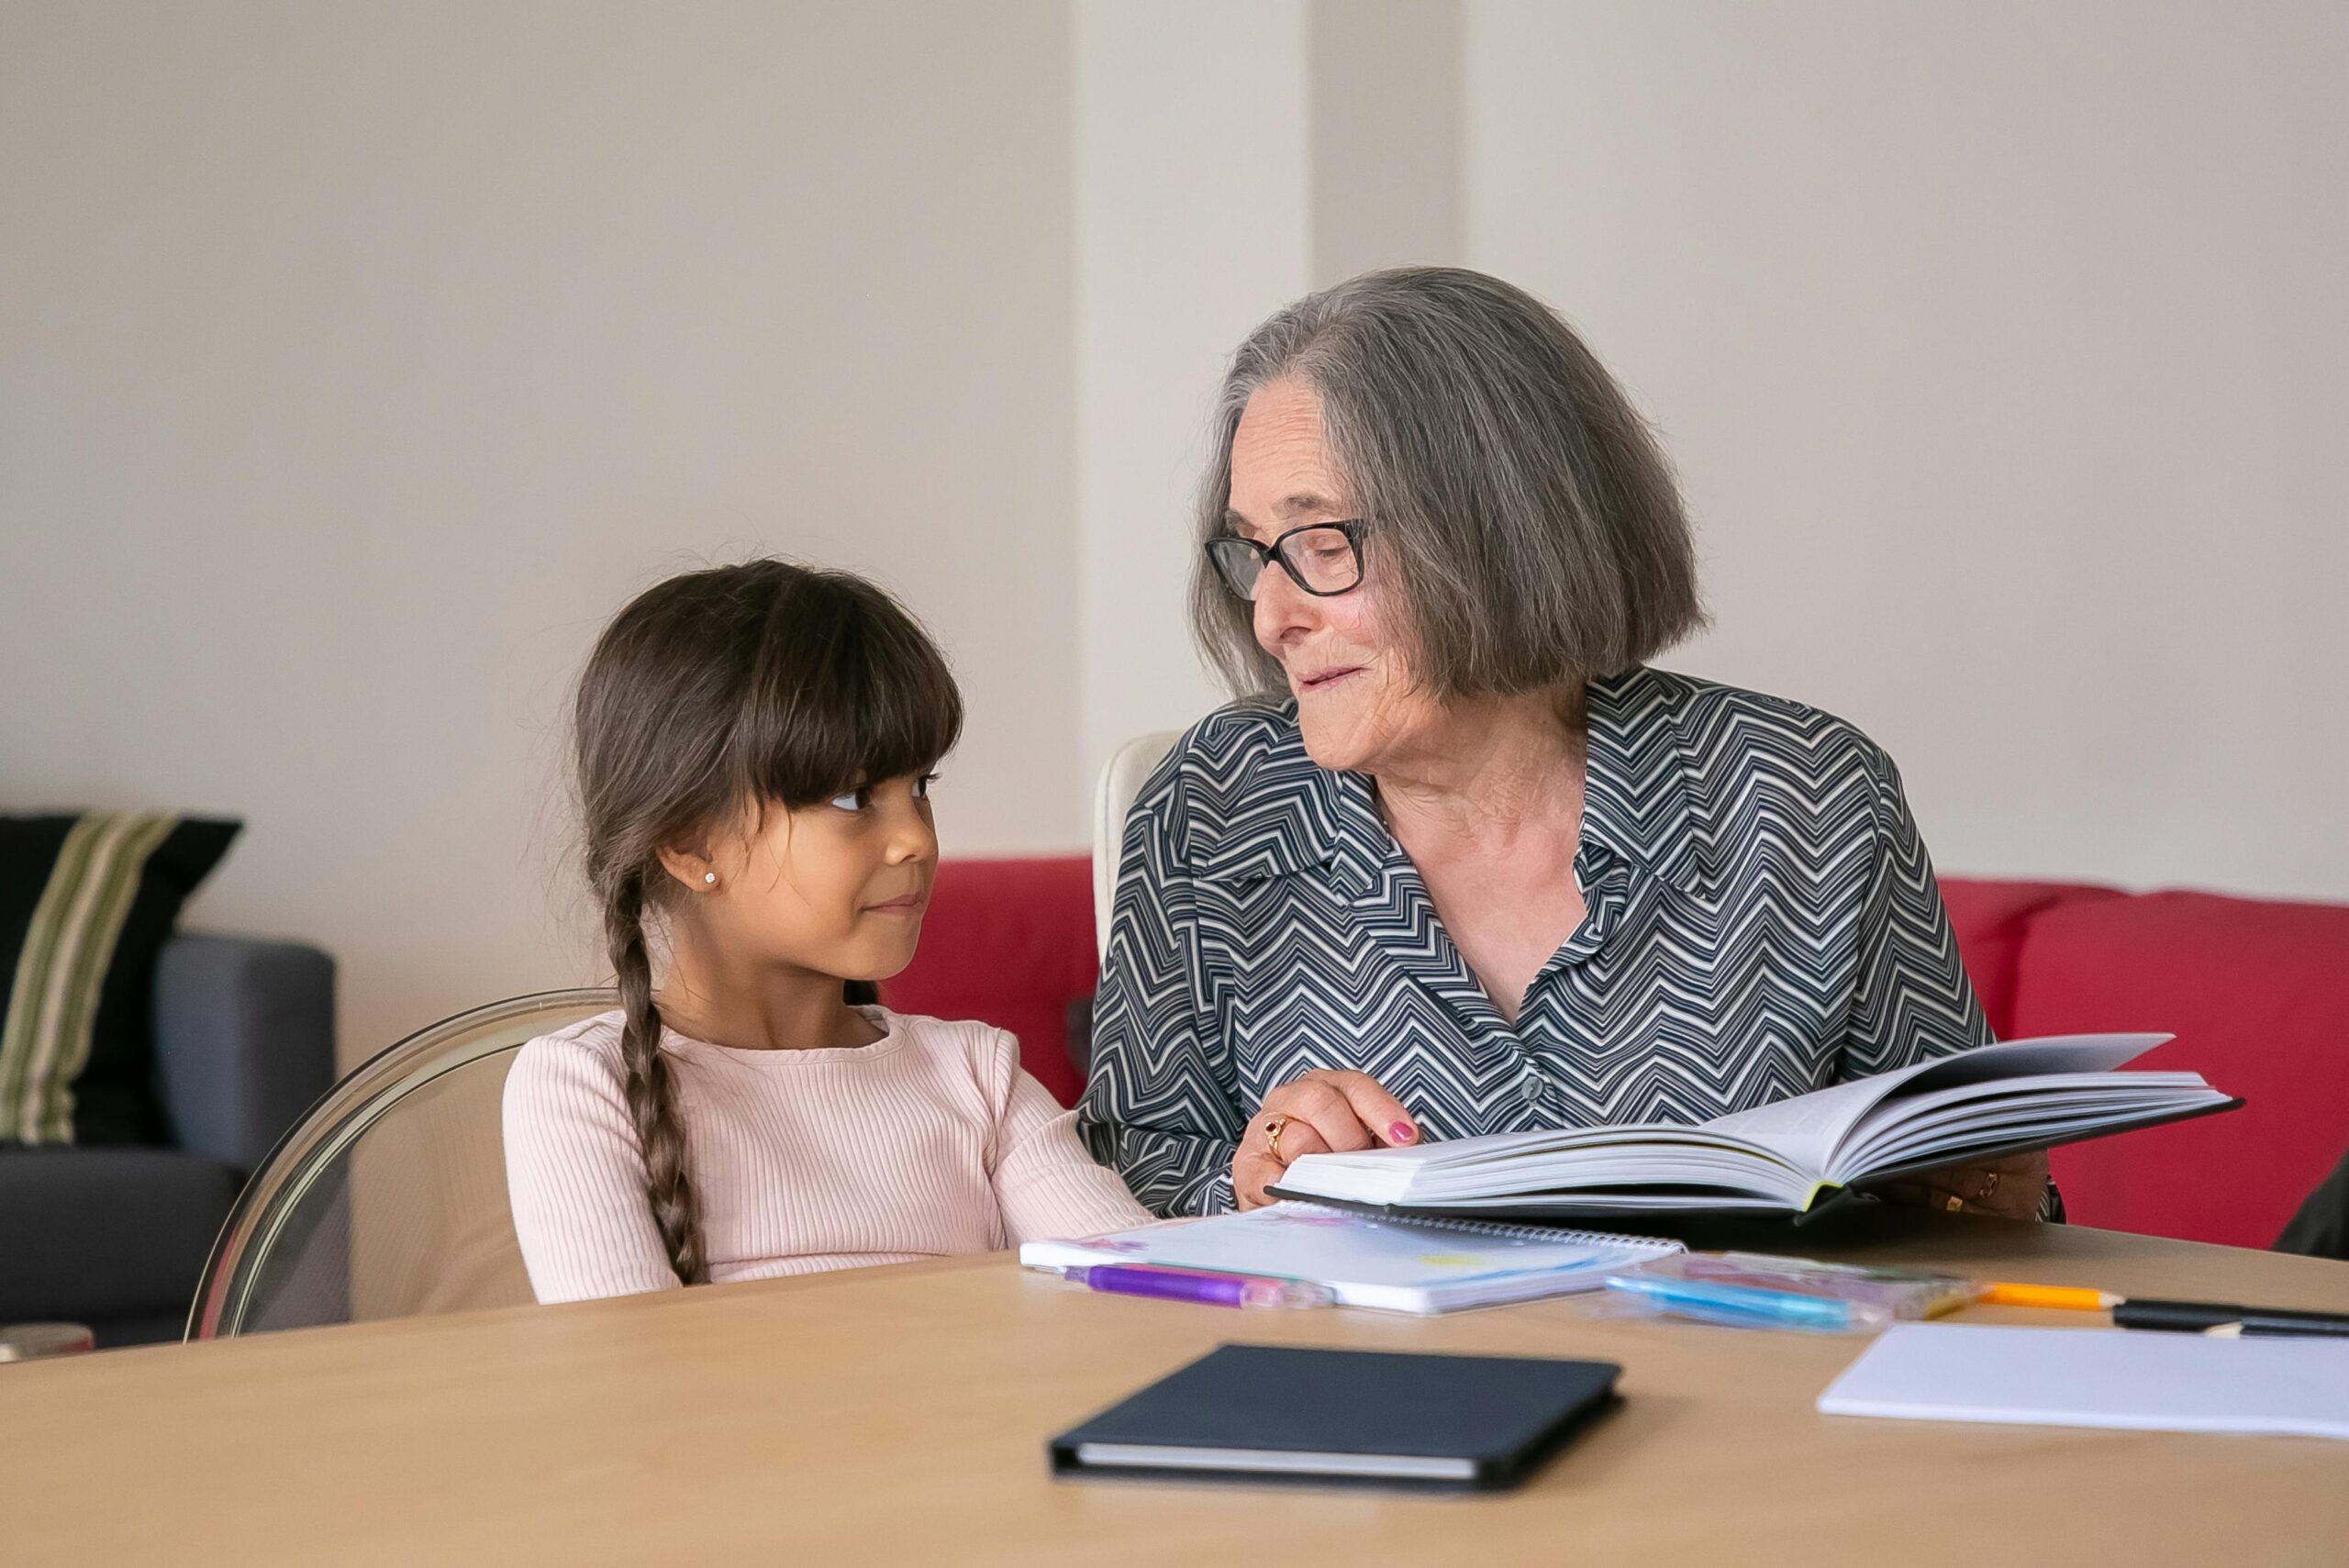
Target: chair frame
[[1122, 776], [273, 1195]]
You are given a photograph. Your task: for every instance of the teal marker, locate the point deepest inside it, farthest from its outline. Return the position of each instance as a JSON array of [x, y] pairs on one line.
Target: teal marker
[[1740, 1305]]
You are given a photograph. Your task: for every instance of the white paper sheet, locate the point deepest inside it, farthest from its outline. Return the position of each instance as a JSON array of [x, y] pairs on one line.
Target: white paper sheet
[[2099, 1377]]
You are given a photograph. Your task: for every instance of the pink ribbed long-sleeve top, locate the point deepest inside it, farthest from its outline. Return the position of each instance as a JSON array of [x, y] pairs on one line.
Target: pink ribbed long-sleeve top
[[931, 1141]]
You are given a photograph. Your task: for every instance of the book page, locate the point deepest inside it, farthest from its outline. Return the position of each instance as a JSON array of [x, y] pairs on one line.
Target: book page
[[1565, 1160], [1811, 1129], [2013, 1133], [1806, 1127]]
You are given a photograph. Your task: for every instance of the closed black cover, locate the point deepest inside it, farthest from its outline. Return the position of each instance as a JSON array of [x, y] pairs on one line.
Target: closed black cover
[[1503, 1414]]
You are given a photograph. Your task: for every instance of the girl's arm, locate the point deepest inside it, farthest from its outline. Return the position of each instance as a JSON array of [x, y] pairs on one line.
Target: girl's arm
[[1046, 1185], [576, 1177]]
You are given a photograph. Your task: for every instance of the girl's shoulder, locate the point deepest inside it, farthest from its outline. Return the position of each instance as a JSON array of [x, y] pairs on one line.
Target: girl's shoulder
[[989, 1054], [597, 1036], [965, 1038], [583, 1056]]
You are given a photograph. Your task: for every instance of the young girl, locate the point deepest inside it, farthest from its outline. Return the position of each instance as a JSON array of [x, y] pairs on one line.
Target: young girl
[[753, 745]]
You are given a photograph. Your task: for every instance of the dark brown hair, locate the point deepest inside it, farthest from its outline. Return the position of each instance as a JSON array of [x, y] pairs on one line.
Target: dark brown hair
[[712, 694], [1529, 522]]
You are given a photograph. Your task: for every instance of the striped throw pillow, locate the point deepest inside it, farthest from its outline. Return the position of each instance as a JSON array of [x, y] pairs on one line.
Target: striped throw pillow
[[85, 905]]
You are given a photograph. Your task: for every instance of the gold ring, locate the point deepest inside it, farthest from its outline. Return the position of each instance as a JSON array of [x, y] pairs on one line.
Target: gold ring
[[1956, 1204], [1273, 1129]]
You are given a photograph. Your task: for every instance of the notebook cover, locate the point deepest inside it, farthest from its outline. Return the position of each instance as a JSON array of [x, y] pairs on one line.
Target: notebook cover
[[1503, 1414]]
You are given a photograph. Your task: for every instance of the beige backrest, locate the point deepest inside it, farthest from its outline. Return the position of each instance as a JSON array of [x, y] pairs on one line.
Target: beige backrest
[[388, 1198], [1121, 780]]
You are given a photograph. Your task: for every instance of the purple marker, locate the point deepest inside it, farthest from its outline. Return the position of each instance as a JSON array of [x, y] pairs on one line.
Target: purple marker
[[1183, 1285]]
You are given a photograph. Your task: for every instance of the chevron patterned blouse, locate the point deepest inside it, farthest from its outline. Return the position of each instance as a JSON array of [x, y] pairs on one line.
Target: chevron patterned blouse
[[1761, 921]]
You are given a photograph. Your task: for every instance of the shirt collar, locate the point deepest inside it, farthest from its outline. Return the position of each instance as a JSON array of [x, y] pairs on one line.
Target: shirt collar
[[1637, 799], [1639, 802]]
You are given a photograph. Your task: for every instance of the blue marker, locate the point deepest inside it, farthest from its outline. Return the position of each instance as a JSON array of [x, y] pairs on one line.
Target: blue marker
[[1740, 1305]]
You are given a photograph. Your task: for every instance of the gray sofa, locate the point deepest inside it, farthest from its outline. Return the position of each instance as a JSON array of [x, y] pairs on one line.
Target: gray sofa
[[116, 1237]]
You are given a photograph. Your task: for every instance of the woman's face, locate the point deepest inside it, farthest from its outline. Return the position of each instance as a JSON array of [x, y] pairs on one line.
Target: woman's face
[[1347, 668]]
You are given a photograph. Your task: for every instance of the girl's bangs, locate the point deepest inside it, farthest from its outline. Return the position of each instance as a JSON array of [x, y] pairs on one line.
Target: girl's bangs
[[847, 691]]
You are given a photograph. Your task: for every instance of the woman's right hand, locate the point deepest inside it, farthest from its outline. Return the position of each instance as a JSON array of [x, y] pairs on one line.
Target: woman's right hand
[[1321, 1112]]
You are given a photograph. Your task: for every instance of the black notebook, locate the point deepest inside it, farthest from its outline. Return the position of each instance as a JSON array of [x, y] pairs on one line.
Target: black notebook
[[1275, 1412]]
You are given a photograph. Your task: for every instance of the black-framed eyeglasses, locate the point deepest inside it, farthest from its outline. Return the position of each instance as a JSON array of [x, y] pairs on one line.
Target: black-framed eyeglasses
[[1323, 558]]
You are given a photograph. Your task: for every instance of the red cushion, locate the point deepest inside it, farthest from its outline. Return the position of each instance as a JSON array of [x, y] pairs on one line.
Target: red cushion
[[2258, 993], [1008, 942], [1991, 919]]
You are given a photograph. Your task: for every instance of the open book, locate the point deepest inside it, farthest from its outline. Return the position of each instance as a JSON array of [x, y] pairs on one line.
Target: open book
[[1785, 1158]]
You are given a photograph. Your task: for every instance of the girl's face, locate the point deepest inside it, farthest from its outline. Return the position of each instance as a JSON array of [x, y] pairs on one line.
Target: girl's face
[[1357, 702], [837, 888]]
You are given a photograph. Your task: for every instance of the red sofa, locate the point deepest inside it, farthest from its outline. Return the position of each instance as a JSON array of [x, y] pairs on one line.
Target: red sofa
[[2258, 993]]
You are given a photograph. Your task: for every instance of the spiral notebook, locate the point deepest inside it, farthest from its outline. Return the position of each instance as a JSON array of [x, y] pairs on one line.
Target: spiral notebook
[[1417, 1266]]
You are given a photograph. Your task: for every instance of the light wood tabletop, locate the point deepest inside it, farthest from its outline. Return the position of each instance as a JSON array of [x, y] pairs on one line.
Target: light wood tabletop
[[901, 1414]]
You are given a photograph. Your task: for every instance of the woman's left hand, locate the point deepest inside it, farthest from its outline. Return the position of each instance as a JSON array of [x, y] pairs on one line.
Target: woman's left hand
[[2010, 1188], [1321, 1111]]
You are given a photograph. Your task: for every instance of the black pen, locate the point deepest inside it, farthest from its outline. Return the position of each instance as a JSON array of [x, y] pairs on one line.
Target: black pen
[[2225, 1320]]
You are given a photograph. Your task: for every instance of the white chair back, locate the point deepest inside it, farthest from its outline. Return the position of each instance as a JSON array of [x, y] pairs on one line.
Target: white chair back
[[1121, 780]]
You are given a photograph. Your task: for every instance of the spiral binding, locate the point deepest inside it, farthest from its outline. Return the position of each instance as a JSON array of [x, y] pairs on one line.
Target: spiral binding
[[1661, 1245]]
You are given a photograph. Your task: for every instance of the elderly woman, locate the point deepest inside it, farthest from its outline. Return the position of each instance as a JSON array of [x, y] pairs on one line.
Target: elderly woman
[[1459, 860]]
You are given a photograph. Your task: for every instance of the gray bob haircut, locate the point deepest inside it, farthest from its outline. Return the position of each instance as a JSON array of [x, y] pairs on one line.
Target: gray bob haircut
[[1522, 517]]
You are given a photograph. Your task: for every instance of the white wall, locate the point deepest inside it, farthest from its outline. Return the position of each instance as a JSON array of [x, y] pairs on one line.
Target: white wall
[[1383, 94], [2004, 352], [1193, 223], [357, 360], [1231, 154]]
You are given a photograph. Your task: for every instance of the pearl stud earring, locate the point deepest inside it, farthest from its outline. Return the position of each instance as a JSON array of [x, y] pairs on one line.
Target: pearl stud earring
[[710, 877]]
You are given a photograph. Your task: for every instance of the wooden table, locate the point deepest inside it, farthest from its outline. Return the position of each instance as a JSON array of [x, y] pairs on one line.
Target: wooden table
[[899, 1415]]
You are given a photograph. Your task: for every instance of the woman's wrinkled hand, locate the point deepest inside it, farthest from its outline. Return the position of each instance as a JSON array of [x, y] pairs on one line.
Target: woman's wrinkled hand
[[1321, 1112], [2010, 1188]]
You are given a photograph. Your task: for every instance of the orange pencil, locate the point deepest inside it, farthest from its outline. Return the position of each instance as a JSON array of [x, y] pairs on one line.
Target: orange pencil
[[2069, 1298]]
